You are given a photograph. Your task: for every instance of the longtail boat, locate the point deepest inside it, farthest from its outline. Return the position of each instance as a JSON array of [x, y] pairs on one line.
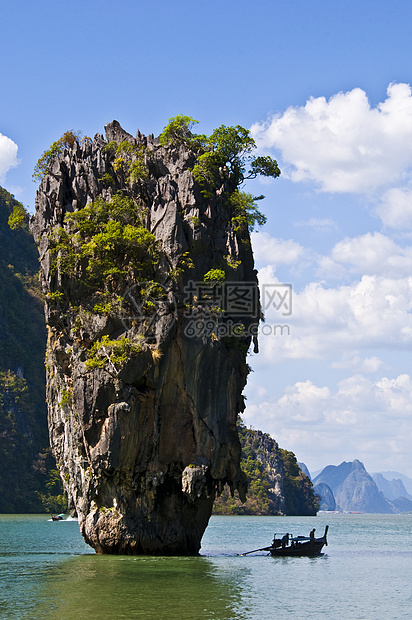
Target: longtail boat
[[299, 545]]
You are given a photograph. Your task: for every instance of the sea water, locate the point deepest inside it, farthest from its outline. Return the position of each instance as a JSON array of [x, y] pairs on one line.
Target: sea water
[[47, 572]]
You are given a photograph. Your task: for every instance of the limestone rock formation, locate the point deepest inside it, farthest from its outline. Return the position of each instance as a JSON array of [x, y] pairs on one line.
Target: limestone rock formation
[[262, 463], [151, 305], [392, 489], [353, 488], [327, 499], [267, 453]]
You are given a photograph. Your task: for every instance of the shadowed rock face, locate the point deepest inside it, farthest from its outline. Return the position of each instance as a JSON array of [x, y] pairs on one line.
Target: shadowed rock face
[[143, 385]]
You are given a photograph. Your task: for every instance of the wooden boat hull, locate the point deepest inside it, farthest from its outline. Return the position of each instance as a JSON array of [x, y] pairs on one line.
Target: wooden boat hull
[[310, 549], [296, 548]]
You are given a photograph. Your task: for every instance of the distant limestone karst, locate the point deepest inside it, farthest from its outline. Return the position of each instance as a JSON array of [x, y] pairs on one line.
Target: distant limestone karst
[[348, 487]]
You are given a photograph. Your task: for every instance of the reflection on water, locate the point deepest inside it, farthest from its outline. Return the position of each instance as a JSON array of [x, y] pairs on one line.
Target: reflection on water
[[96, 587]]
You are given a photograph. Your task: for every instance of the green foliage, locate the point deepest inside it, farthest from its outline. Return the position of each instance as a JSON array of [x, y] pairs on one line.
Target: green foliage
[[110, 147], [256, 463], [24, 458], [178, 130], [265, 166], [104, 308], [184, 262], [66, 398], [125, 147], [56, 296], [246, 215], [107, 179], [102, 242], [129, 160], [231, 262], [118, 164], [137, 171], [230, 148], [67, 141], [19, 217], [299, 495], [214, 275], [112, 353], [54, 500], [227, 151], [18, 480], [195, 220]]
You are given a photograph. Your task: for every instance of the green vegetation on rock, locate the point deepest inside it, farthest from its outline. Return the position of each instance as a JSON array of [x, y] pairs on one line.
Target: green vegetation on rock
[[276, 485], [226, 153], [299, 494], [67, 141], [101, 245], [112, 352]]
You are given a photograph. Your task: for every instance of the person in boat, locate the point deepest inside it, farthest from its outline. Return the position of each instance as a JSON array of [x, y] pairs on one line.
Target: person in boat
[[285, 540], [312, 534]]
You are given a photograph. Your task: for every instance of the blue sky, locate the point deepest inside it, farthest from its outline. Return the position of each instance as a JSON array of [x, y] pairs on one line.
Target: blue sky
[[324, 87]]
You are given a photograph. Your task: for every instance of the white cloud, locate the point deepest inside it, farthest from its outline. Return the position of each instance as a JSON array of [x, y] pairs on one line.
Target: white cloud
[[374, 312], [361, 418], [343, 144], [372, 253], [272, 251], [318, 223], [351, 360], [301, 402], [8, 156], [395, 208]]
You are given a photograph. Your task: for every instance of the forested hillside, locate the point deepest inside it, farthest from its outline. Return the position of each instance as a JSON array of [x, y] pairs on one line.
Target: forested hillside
[[26, 466], [276, 484]]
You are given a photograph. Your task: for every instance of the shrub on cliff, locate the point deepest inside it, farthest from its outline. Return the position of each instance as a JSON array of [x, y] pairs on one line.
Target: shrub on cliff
[[227, 151], [67, 141], [102, 241]]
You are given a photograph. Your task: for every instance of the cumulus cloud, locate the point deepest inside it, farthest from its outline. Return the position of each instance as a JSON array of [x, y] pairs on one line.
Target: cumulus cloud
[[351, 360], [395, 208], [372, 253], [8, 156], [272, 251], [360, 418], [374, 312], [343, 144]]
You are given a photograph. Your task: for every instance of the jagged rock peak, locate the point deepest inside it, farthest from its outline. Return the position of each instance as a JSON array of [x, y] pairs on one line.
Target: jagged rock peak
[[146, 355]]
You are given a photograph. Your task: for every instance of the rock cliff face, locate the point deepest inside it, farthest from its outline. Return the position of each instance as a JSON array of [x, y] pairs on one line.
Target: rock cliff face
[[392, 489], [152, 302], [260, 446], [327, 499]]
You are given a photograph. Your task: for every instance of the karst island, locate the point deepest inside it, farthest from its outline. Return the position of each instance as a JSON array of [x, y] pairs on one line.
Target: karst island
[[152, 304]]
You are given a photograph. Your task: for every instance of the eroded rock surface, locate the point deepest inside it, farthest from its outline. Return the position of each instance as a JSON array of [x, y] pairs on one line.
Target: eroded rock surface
[[144, 384]]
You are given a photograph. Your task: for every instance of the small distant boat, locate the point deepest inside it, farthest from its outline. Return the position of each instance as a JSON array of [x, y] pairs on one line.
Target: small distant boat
[[57, 517], [288, 545], [299, 545]]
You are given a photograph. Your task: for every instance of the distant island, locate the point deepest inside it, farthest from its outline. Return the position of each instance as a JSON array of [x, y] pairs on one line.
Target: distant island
[[348, 487]]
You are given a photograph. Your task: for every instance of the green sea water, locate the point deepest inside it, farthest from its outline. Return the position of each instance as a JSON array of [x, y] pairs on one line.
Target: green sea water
[[47, 572]]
